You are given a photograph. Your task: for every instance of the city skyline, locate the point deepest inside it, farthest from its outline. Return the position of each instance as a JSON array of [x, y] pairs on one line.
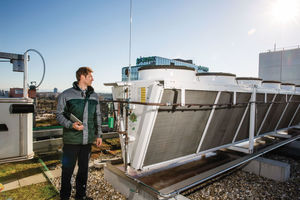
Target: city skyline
[[226, 36]]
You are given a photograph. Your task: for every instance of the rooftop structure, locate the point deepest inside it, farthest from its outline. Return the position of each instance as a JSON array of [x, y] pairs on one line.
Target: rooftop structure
[[280, 65]]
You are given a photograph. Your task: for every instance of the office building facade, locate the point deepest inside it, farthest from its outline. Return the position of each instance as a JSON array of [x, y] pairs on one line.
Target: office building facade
[[156, 60]]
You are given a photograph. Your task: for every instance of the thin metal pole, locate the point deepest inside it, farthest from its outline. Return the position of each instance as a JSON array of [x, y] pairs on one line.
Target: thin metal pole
[[252, 120], [266, 115], [281, 66], [240, 124], [288, 102], [25, 75], [129, 71], [294, 116], [208, 122], [126, 141]]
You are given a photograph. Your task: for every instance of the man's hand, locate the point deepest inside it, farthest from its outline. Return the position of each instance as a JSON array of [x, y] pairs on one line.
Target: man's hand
[[99, 142], [77, 126]]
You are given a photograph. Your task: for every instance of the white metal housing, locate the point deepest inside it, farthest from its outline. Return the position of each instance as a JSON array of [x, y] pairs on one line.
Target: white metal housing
[[16, 142], [234, 110], [283, 65]]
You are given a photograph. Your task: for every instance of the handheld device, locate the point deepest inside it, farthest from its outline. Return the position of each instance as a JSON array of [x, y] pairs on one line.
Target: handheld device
[[73, 118]]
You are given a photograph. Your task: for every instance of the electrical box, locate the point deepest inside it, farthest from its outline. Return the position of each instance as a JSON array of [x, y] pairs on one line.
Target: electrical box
[[16, 129], [18, 65]]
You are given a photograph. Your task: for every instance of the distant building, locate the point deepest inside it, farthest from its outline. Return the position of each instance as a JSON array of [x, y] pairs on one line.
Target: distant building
[[16, 92], [50, 95], [3, 94], [55, 90], [156, 60], [105, 96], [280, 65]]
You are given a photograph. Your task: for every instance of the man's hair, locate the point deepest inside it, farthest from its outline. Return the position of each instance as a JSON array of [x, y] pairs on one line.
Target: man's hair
[[83, 71]]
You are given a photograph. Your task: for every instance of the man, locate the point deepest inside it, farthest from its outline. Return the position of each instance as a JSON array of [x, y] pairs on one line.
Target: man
[[82, 102]]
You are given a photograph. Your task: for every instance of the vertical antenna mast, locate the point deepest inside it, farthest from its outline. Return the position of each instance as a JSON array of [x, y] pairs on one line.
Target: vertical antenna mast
[[129, 71]]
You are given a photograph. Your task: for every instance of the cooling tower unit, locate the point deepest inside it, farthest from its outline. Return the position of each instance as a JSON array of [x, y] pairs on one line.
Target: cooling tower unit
[[178, 127]]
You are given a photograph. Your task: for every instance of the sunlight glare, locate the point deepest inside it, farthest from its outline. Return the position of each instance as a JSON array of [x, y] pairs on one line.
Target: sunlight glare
[[285, 11]]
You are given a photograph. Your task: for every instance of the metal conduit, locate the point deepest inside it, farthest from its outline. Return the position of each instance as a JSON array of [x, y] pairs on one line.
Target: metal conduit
[[200, 105]]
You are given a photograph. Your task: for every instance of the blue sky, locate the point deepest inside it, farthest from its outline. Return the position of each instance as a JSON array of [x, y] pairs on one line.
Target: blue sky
[[224, 35]]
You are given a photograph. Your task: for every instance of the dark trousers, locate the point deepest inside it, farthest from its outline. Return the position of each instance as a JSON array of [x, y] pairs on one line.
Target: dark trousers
[[71, 153]]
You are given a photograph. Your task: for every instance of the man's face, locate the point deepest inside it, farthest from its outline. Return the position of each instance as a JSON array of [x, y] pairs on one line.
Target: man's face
[[88, 79]]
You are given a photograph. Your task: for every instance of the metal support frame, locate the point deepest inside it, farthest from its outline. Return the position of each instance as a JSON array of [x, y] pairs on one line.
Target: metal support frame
[[252, 104], [228, 166], [280, 135], [234, 98], [266, 97], [240, 149], [266, 115], [252, 120], [208, 121], [283, 112], [21, 134], [11, 56], [177, 188], [24, 58], [182, 97], [240, 125], [294, 115]]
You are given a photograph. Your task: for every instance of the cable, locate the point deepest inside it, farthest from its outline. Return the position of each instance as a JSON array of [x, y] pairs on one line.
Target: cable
[[45, 169], [44, 65]]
